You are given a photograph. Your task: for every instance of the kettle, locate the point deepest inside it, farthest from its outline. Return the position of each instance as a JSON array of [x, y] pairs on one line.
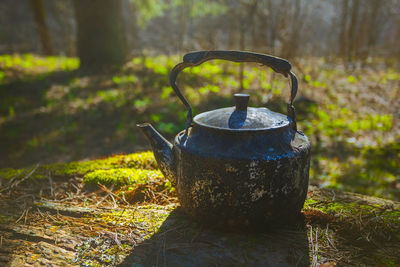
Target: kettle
[[236, 166]]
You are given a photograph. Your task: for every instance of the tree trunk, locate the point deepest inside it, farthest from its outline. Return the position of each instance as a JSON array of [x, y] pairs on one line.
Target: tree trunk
[[252, 18], [352, 30], [101, 40], [185, 12], [343, 30], [374, 26], [261, 41], [291, 45], [131, 26], [40, 20], [272, 26]]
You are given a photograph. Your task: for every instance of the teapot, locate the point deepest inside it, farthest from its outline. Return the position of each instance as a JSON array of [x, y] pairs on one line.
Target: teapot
[[236, 166]]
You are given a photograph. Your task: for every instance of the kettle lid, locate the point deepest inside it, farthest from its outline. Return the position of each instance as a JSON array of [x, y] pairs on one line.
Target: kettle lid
[[242, 118]]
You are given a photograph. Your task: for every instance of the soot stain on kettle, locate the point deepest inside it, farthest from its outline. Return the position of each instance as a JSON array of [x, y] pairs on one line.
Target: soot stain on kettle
[[225, 178], [227, 190]]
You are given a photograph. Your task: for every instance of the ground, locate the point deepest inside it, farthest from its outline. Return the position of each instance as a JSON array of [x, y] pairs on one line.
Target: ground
[[121, 211], [52, 112]]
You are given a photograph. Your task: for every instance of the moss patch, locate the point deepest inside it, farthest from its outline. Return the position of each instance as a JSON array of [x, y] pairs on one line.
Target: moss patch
[[5, 218], [121, 176], [369, 227], [9, 173], [366, 215], [144, 160], [143, 220], [148, 218]]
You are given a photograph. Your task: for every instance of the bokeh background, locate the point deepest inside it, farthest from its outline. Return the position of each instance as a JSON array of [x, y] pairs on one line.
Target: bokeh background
[[76, 76]]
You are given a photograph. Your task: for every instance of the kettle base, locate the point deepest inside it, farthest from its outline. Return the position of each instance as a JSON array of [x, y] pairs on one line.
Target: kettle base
[[244, 193], [281, 217]]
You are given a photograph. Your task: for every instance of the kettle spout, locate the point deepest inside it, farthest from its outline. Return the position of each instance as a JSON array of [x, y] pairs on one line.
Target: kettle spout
[[162, 150]]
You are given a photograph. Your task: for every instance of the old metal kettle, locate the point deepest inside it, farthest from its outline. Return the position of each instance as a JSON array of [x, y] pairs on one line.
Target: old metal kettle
[[241, 165]]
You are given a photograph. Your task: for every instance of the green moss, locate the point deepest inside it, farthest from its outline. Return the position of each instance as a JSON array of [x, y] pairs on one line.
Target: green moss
[[9, 173], [29, 62], [5, 219], [144, 160], [309, 203], [121, 176], [369, 224], [146, 219], [371, 219], [353, 209], [98, 251]]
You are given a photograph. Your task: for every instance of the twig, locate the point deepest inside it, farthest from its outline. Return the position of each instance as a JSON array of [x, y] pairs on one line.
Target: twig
[[20, 217], [115, 202], [123, 198], [13, 179], [108, 191], [51, 187], [40, 213], [334, 195], [13, 184], [330, 241], [117, 241], [78, 190], [314, 247], [120, 216], [51, 217], [26, 214]]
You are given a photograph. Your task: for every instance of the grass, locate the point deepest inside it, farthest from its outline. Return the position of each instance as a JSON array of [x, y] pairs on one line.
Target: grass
[[50, 112]]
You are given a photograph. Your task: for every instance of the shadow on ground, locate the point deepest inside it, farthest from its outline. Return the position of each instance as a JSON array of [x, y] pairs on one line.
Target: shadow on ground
[[180, 242], [64, 116]]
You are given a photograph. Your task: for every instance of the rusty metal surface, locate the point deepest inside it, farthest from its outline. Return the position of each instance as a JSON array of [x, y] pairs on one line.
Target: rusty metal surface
[[244, 180], [239, 179]]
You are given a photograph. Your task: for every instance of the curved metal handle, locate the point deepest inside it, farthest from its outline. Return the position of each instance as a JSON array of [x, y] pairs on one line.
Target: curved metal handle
[[279, 65]]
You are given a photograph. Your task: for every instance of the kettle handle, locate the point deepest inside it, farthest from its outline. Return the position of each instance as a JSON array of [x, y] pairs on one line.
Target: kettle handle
[[192, 59]]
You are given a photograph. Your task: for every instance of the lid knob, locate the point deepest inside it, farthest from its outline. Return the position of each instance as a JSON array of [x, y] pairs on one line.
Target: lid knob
[[241, 101]]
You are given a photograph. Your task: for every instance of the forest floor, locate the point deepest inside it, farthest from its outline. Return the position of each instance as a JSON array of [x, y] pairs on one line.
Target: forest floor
[[90, 214], [119, 210], [51, 112]]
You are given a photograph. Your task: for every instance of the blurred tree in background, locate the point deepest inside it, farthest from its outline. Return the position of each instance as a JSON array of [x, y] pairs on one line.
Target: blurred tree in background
[[40, 19], [100, 33], [350, 29]]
